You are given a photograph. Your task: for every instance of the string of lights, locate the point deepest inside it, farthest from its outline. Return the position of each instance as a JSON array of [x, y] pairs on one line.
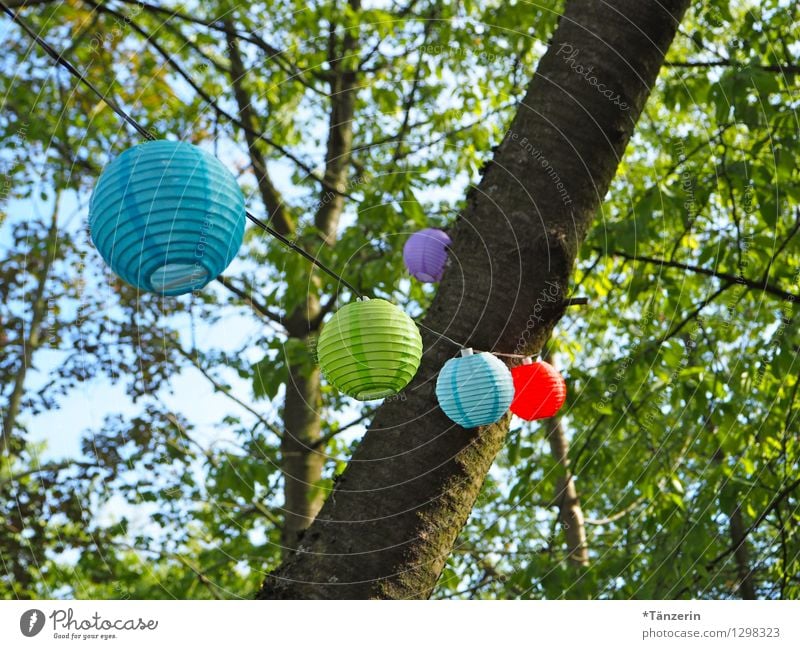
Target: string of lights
[[148, 135]]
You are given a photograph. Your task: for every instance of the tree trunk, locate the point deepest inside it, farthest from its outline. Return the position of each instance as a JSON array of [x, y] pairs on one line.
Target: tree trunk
[[737, 529], [741, 554], [302, 460], [32, 341], [570, 514], [394, 515], [279, 215], [343, 87]]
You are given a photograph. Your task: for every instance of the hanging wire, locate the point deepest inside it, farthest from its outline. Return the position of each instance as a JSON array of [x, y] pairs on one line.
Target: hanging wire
[[60, 60], [522, 356], [67, 65], [463, 346], [441, 335], [290, 244]]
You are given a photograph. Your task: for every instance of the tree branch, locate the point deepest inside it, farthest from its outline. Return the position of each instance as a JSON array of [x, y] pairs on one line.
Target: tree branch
[[324, 439], [218, 24], [276, 207], [727, 63], [248, 299], [210, 101], [777, 500], [219, 387], [766, 287]]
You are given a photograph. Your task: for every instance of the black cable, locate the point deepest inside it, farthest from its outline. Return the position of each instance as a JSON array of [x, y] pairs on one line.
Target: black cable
[[441, 335], [149, 136], [74, 71], [304, 253], [463, 346]]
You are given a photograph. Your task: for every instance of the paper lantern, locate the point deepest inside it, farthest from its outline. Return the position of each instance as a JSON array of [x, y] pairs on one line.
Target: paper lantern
[[370, 349], [167, 217], [425, 254], [475, 389], [539, 390]]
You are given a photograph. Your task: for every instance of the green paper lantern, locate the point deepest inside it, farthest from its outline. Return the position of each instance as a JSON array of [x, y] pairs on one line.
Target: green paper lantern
[[370, 349]]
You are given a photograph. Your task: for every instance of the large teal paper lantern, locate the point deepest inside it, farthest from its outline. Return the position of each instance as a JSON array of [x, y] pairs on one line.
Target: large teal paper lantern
[[370, 349], [474, 389], [167, 217]]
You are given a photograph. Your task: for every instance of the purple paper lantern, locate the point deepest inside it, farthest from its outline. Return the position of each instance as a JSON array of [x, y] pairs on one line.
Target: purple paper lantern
[[425, 254]]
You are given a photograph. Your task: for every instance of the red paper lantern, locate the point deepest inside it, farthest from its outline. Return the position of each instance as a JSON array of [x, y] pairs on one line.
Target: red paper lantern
[[539, 390]]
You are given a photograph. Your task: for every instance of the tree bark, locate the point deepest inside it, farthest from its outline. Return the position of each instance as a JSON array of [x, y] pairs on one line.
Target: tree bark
[[395, 513], [737, 529], [33, 340], [279, 215], [570, 513], [343, 87], [301, 462], [741, 554], [302, 457]]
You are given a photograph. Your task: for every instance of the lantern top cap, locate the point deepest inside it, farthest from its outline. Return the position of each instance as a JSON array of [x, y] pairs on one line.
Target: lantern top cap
[[467, 351], [434, 233]]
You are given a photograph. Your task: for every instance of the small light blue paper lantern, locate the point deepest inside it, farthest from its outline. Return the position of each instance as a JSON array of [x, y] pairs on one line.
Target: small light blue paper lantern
[[475, 389], [167, 217]]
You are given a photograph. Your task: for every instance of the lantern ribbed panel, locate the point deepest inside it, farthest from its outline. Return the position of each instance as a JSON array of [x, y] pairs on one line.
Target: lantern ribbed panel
[[425, 254], [167, 217], [539, 391], [474, 390], [369, 349]]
